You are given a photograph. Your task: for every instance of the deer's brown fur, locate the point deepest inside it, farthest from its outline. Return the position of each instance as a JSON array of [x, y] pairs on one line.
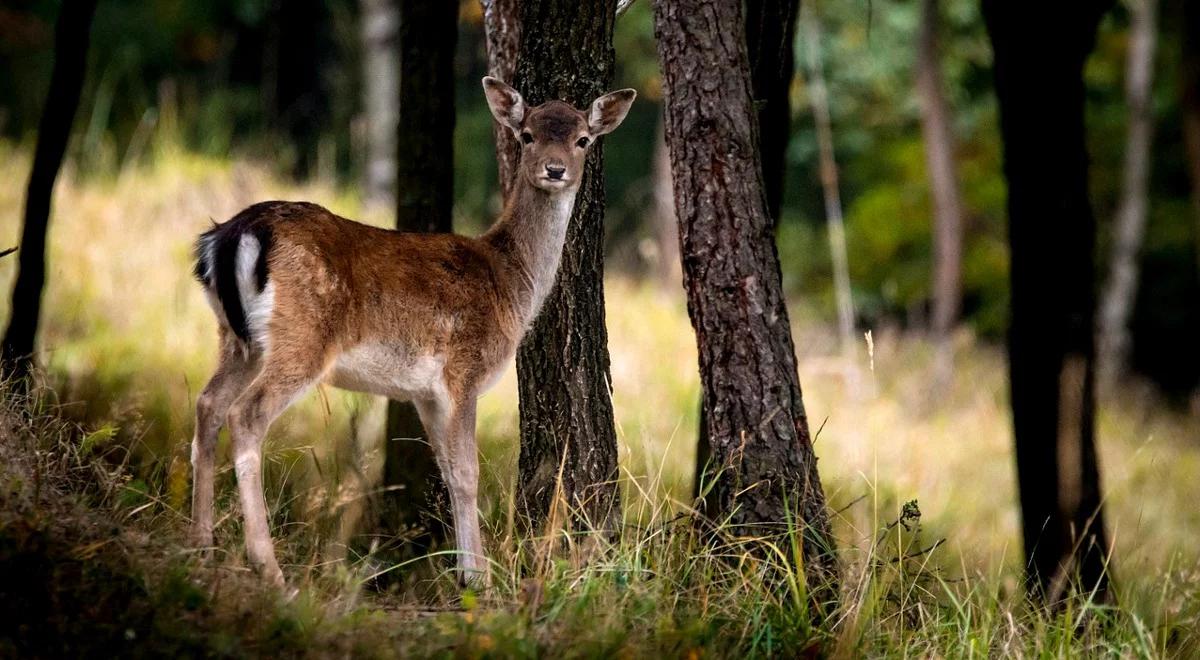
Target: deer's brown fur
[[302, 295]]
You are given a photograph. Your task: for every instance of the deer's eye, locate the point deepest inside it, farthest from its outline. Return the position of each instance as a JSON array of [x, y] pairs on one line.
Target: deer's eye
[[582, 143], [527, 137]]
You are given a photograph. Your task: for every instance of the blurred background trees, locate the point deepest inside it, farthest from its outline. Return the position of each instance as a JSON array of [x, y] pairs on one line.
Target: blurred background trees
[[209, 73]]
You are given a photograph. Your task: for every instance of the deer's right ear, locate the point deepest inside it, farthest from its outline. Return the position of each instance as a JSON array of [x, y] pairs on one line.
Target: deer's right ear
[[506, 104]]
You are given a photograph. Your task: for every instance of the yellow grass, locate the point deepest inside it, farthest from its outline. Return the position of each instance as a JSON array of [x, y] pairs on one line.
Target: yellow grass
[[128, 337]]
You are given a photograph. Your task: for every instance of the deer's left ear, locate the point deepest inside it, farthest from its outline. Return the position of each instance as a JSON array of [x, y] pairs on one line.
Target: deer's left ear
[[609, 111]]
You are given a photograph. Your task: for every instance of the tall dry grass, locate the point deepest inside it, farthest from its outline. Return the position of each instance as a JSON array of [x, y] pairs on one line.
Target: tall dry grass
[[127, 341]]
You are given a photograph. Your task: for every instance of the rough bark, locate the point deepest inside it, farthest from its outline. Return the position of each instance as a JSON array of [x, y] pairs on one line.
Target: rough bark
[[71, 36], [770, 35], [943, 186], [1129, 229], [764, 472], [1051, 337], [381, 98], [424, 203], [502, 25], [568, 442]]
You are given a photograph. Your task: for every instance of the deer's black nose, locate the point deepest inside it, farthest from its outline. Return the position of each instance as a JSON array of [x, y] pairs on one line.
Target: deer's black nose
[[555, 171]]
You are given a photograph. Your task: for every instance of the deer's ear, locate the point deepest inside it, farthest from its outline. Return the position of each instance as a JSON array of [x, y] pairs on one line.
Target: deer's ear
[[506, 104], [609, 111]]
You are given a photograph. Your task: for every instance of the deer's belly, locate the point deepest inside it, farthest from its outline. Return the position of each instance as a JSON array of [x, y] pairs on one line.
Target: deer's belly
[[389, 372]]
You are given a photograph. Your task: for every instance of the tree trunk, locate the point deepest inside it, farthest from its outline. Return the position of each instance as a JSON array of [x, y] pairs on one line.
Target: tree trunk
[[770, 35], [302, 41], [943, 188], [568, 443], [502, 24], [666, 229], [381, 98], [1052, 237], [71, 36], [1116, 306], [770, 38], [424, 203], [764, 472], [1190, 103], [833, 198]]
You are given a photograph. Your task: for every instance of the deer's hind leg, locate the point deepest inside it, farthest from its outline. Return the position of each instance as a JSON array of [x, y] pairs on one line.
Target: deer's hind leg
[[285, 375], [236, 368]]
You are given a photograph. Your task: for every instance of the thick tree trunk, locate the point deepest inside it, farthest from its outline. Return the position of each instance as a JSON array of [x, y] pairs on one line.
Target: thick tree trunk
[[502, 23], [1116, 306], [943, 188], [770, 35], [770, 38], [1052, 237], [764, 472], [381, 98], [568, 442], [424, 203], [71, 35]]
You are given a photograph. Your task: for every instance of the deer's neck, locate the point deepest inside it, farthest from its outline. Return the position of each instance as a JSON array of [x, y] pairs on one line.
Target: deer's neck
[[529, 238]]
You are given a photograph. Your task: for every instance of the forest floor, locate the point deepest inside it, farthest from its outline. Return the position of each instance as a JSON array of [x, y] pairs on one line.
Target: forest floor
[[94, 482]]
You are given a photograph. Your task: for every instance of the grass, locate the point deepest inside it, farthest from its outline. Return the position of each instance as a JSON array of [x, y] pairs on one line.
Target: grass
[[94, 480]]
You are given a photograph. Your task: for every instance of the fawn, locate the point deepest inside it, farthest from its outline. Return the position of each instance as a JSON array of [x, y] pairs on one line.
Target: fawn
[[302, 296]]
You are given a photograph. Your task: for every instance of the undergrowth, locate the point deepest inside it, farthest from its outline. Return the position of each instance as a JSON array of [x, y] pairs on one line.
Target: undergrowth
[[97, 566]]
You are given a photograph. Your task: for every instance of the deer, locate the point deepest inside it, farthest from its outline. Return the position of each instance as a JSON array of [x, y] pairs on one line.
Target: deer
[[303, 296]]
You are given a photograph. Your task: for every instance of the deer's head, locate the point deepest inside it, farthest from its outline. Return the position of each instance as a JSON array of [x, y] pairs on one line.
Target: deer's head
[[554, 136]]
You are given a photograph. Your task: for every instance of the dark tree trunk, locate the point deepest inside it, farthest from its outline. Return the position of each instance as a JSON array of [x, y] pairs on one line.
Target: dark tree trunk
[[501, 22], [770, 39], [764, 471], [770, 35], [1190, 103], [71, 36], [562, 365], [302, 41], [424, 203], [943, 187], [1052, 237]]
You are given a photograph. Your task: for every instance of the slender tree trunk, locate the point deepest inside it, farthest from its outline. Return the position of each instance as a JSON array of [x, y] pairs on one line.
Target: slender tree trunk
[[770, 35], [72, 32], [302, 41], [502, 23], [1190, 103], [1116, 306], [381, 98], [943, 188], [568, 442], [424, 203], [666, 229], [764, 472], [833, 197], [1052, 237]]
